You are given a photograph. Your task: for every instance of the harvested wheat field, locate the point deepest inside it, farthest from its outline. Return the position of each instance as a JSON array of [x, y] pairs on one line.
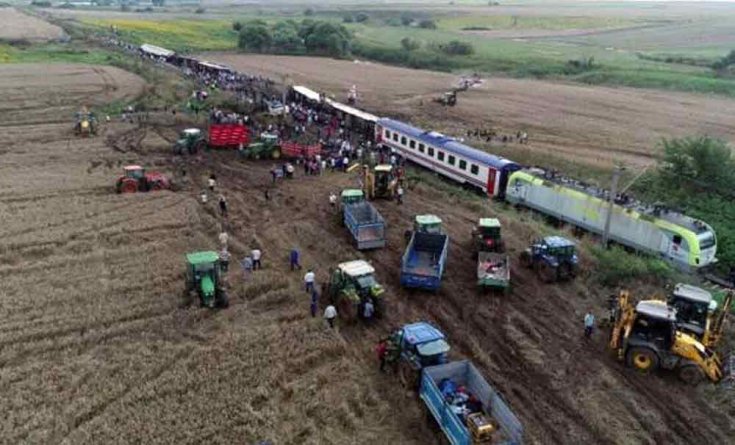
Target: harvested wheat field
[[15, 26], [589, 124], [99, 346]]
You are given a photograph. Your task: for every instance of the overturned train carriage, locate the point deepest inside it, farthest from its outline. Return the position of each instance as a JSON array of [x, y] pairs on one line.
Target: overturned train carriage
[[687, 242]]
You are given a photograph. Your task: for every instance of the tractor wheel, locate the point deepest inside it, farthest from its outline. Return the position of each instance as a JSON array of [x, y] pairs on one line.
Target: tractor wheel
[[407, 375], [156, 186], [691, 374], [128, 186], [223, 301], [547, 273], [199, 146], [565, 271], [526, 259], [347, 310], [643, 360], [379, 307]]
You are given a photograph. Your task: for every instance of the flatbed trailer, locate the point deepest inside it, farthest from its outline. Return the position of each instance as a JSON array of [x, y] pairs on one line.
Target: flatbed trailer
[[493, 270], [365, 224]]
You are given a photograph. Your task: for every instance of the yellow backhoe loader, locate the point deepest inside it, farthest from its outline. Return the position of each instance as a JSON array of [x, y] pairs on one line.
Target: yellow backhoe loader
[[646, 336]]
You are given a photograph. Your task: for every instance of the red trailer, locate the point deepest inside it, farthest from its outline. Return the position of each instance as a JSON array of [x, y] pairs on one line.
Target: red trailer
[[295, 150], [228, 135]]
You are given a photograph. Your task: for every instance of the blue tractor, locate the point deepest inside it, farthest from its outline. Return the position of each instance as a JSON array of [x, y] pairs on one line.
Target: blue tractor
[[553, 258], [414, 347]]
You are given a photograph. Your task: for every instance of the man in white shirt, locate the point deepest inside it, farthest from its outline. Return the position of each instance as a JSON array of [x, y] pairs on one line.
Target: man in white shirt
[[309, 278], [223, 238], [255, 255], [330, 313]]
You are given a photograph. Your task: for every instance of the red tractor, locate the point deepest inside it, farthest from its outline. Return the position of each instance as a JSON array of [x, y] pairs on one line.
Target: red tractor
[[136, 179]]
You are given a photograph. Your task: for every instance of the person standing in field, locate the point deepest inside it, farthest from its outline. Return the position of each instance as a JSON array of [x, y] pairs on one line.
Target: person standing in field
[[247, 267], [256, 254], [212, 182], [223, 206], [223, 239], [203, 196], [332, 200], [589, 324], [314, 303], [399, 195], [224, 259], [330, 313], [294, 259], [309, 278]]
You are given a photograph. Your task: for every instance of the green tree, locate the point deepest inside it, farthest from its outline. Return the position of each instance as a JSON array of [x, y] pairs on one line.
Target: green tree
[[255, 36], [348, 19], [327, 39], [286, 37], [456, 47], [236, 26], [698, 164], [309, 12], [361, 17], [427, 24], [406, 20]]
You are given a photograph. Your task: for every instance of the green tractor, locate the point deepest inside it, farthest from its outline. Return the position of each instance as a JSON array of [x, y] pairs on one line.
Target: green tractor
[[265, 148], [486, 236], [191, 141], [351, 196], [350, 286], [204, 277]]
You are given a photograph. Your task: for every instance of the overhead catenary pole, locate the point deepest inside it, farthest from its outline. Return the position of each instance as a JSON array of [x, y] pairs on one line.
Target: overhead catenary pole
[[611, 200]]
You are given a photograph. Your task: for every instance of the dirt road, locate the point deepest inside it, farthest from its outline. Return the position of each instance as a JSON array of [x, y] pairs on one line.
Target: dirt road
[[16, 26], [585, 124]]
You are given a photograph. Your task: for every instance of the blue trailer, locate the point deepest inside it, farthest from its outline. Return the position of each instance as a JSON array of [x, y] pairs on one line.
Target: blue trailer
[[365, 224], [494, 423], [422, 265]]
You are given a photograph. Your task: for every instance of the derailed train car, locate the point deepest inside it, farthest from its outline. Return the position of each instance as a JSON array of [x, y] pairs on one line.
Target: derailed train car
[[685, 241]]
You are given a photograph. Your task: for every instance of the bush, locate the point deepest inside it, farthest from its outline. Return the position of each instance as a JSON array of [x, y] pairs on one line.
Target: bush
[[457, 48], [200, 10], [309, 12], [615, 266], [427, 24], [41, 3], [236, 26], [406, 20], [410, 44], [361, 17], [254, 36], [348, 19]]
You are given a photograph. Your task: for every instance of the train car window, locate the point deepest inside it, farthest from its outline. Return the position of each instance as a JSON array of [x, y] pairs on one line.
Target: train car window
[[462, 164], [403, 140], [474, 169], [440, 155], [387, 134], [412, 143], [431, 152], [677, 240], [421, 148], [451, 160], [395, 137]]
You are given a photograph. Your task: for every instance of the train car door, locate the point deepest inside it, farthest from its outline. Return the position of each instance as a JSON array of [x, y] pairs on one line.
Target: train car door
[[491, 173]]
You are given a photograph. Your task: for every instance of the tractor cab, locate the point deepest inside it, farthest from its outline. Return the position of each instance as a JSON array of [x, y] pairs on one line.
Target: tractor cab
[[693, 306], [134, 172], [487, 235], [422, 344], [556, 247], [380, 182], [204, 277], [655, 323], [428, 224], [359, 276], [190, 140], [351, 196]]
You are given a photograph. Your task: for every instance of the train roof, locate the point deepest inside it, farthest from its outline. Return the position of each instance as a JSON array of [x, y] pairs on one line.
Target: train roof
[[653, 210], [438, 140]]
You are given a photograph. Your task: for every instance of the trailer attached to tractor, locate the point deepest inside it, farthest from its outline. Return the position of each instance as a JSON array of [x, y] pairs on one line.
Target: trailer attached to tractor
[[364, 222], [422, 265]]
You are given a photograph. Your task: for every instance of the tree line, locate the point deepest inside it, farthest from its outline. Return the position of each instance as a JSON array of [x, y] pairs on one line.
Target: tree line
[[308, 36]]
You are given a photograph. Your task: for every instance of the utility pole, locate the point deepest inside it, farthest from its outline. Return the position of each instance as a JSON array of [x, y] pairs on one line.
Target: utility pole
[[611, 200]]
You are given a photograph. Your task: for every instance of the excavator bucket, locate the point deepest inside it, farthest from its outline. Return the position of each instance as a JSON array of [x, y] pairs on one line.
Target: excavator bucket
[[716, 325]]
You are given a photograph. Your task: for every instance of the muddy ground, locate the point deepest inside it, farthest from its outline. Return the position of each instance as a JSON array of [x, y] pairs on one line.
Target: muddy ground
[[97, 344], [590, 125]]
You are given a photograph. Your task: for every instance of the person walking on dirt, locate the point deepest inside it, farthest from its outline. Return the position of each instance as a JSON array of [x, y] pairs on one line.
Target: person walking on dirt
[[330, 313], [332, 200], [203, 196], [223, 206], [247, 267], [589, 324], [223, 239], [212, 182], [224, 259], [314, 303], [294, 259], [399, 195], [256, 254], [382, 351], [368, 309], [309, 278]]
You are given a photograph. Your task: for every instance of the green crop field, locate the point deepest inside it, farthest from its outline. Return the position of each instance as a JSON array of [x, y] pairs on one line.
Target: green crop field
[[522, 22]]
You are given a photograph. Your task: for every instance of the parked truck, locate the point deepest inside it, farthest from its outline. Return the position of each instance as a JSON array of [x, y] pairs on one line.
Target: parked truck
[[466, 407], [364, 222], [422, 265]]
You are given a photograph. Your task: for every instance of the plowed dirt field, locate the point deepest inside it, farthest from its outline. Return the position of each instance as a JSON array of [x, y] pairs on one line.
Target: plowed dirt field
[[15, 25]]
